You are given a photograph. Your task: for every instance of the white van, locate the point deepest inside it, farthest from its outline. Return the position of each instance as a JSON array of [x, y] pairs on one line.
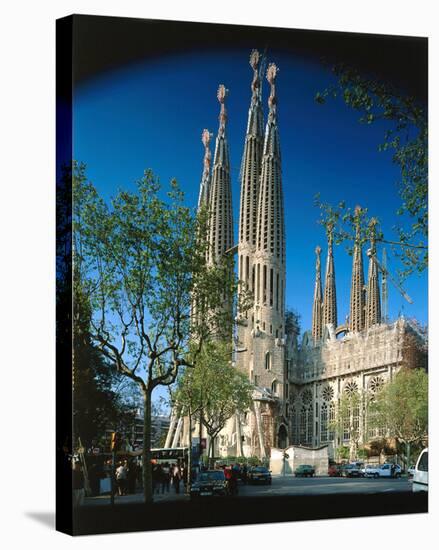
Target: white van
[[420, 477]]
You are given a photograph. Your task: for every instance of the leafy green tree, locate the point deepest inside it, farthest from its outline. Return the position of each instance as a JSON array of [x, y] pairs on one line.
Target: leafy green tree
[[346, 424], [407, 137], [215, 387], [97, 403], [142, 263], [402, 407]]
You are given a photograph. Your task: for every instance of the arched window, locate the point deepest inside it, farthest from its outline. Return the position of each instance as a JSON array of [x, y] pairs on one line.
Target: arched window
[[267, 361], [274, 387], [302, 433], [309, 426], [331, 433], [294, 427], [324, 423]]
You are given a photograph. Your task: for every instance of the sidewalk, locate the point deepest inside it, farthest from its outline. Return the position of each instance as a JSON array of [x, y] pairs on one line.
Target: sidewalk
[[137, 498]]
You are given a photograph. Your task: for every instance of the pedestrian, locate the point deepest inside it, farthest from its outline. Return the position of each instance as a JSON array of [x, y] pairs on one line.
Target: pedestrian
[[132, 477], [176, 476], [392, 470], [166, 477], [228, 476], [244, 474], [121, 478], [156, 478]]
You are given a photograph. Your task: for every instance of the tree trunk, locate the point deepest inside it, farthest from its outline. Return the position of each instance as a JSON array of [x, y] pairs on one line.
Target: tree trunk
[[407, 455], [189, 455], [212, 447], [200, 436], [146, 452]]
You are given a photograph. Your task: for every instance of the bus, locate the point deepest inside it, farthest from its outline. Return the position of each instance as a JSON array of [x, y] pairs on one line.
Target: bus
[[175, 454]]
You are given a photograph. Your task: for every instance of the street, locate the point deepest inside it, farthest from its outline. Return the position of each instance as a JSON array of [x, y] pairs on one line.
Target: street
[[290, 485], [286, 486], [287, 499]]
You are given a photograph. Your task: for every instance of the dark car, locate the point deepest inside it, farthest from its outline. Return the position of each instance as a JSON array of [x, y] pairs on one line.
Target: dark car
[[210, 483], [259, 474], [304, 470], [335, 470], [353, 470]]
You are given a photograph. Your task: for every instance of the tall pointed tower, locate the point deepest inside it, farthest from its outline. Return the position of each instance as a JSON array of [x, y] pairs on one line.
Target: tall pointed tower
[[373, 302], [220, 192], [329, 315], [250, 180], [269, 287], [203, 197], [357, 305], [317, 309], [203, 201]]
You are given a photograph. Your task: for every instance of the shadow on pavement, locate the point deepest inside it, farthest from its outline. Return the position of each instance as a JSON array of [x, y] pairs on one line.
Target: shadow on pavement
[[45, 518]]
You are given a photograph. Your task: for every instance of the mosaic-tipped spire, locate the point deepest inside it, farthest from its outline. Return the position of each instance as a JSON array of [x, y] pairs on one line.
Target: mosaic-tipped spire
[[271, 144], [220, 192], [270, 235], [317, 309], [357, 305], [373, 301], [251, 162], [203, 197], [330, 295]]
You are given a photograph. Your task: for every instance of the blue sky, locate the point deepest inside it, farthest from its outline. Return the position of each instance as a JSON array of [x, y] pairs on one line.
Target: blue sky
[[151, 115]]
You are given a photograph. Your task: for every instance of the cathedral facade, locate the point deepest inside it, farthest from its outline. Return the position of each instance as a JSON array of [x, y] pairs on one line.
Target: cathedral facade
[[298, 384]]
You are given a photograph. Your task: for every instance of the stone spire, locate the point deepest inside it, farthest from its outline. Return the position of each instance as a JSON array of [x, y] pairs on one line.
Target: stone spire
[[203, 197], [268, 358], [357, 305], [329, 315], [250, 179], [270, 234], [373, 301], [220, 193], [251, 160], [317, 309]]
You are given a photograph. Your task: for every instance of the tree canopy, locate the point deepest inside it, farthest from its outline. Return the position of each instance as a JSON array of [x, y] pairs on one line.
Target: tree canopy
[[214, 386], [402, 406], [142, 264]]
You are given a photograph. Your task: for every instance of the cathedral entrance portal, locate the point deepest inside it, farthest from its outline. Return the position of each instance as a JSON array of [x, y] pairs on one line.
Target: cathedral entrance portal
[[282, 437]]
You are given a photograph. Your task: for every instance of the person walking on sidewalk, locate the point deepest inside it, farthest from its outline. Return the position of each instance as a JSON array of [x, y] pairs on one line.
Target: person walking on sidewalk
[[176, 476], [166, 477]]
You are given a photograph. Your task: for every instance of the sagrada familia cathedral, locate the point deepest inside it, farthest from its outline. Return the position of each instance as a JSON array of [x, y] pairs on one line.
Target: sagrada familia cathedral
[[298, 384]]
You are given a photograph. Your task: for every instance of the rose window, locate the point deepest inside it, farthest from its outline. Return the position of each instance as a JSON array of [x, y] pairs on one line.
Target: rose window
[[351, 388], [306, 397], [376, 384], [328, 393]]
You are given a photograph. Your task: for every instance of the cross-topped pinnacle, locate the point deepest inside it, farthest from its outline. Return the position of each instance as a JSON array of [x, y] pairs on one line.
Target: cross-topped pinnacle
[[271, 77], [205, 139], [254, 63], [222, 93], [318, 251]]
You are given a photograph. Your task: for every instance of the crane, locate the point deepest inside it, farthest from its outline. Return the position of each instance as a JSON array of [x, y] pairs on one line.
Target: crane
[[387, 275]]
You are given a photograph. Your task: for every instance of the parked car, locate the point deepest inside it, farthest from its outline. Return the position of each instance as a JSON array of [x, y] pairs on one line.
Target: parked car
[[420, 476], [304, 470], [259, 474], [335, 470], [210, 483], [383, 470], [353, 469], [411, 470]]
